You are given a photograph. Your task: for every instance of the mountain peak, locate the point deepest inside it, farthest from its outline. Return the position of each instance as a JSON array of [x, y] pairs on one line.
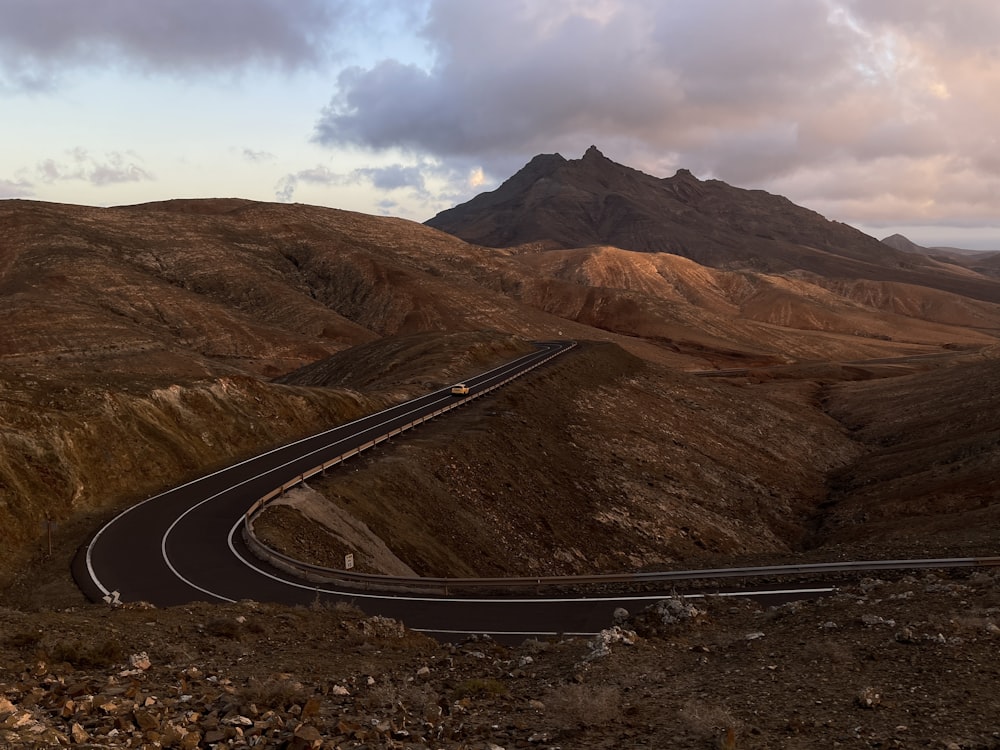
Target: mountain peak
[[596, 201], [900, 242]]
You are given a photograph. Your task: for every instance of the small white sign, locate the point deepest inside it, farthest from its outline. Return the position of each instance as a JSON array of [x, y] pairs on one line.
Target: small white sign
[[348, 561]]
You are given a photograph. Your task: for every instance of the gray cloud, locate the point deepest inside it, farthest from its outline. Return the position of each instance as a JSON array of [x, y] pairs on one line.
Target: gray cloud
[[114, 168], [518, 78], [393, 177], [257, 157], [39, 39], [389, 178], [17, 188], [774, 93]]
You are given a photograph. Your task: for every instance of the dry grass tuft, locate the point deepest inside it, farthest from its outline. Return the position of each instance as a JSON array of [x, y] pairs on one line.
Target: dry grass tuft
[[86, 655], [712, 724], [584, 705], [479, 687], [222, 627], [278, 693]]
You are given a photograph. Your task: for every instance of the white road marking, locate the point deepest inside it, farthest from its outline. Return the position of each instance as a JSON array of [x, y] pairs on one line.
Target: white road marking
[[349, 593], [89, 556], [163, 539]]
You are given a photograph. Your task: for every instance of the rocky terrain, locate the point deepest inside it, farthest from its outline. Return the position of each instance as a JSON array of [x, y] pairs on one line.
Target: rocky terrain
[[801, 396], [906, 663]]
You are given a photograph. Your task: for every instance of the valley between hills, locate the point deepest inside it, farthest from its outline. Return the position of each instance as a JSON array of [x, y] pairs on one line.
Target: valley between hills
[[753, 385]]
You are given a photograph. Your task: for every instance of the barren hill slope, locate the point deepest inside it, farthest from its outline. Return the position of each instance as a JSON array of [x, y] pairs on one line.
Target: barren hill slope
[[140, 337], [206, 287]]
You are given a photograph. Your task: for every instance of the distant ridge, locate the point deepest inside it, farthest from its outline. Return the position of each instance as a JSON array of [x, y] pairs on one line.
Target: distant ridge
[[903, 244], [567, 203], [983, 262]]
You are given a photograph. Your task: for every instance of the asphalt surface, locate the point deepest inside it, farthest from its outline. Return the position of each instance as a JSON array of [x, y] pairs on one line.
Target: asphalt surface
[[184, 545], [187, 545]]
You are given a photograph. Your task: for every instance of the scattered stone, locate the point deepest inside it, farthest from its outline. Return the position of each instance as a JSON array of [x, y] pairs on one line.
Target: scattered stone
[[868, 697], [754, 636], [873, 620], [672, 611], [341, 690], [907, 635], [78, 734], [140, 661], [601, 645], [381, 627], [145, 720], [311, 708]]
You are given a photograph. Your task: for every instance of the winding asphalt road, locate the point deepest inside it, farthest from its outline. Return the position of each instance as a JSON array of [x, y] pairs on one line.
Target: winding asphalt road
[[186, 544]]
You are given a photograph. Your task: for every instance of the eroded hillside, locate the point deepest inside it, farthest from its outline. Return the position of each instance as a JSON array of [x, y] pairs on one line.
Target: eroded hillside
[[137, 341], [601, 462]]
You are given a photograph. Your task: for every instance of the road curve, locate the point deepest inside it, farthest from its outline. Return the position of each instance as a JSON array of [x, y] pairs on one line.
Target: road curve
[[187, 545]]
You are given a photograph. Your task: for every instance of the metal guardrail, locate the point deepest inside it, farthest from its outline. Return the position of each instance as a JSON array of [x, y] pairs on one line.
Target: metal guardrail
[[309, 572], [451, 586]]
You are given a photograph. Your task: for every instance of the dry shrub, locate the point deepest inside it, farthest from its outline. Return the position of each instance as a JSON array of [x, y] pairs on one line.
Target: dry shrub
[[584, 705], [381, 695], [25, 641], [347, 609], [223, 627], [828, 651], [711, 723], [420, 700], [534, 646], [86, 655], [479, 687], [276, 693]]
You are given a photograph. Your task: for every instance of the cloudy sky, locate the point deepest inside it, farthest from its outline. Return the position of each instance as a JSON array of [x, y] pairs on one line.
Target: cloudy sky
[[879, 113]]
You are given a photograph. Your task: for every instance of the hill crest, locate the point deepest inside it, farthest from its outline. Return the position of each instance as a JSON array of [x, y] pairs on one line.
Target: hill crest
[[555, 202]]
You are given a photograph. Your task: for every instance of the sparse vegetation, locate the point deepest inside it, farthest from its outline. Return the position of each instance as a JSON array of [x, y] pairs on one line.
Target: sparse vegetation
[[583, 705], [221, 627], [276, 692], [84, 654], [713, 724], [479, 687]]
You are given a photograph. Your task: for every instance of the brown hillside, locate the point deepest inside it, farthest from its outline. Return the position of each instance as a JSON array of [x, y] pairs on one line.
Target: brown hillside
[[930, 468], [137, 337], [674, 300]]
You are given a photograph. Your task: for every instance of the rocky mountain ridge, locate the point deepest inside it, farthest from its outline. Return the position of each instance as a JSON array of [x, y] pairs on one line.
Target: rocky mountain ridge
[[594, 201]]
